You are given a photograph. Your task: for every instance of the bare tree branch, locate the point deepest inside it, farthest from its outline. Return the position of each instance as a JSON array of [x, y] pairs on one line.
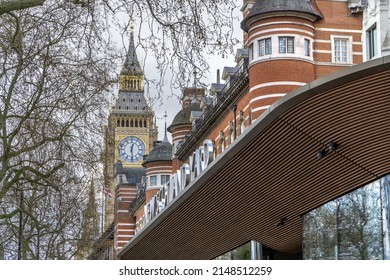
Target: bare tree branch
[[15, 5]]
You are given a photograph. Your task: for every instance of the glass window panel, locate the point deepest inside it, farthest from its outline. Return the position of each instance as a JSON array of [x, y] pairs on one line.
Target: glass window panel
[[352, 227], [268, 46], [286, 44], [385, 189], [320, 233], [290, 44], [153, 180], [371, 35], [359, 224], [341, 52], [242, 253], [250, 51], [307, 47], [282, 44], [261, 47], [265, 46], [164, 179]]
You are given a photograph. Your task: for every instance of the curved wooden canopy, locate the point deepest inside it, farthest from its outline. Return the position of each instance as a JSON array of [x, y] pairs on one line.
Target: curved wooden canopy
[[272, 171]]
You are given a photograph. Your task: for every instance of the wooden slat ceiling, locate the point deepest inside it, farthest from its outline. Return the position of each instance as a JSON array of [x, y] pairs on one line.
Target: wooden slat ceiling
[[272, 171]]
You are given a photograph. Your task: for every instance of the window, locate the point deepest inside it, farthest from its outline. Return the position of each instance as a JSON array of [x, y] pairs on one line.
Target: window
[[221, 141], [250, 51], [342, 50], [372, 48], [165, 179], [265, 46], [286, 44], [307, 47], [241, 122], [231, 132], [153, 180]]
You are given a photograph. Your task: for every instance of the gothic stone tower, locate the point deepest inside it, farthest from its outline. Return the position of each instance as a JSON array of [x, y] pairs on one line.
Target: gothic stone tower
[[130, 130]]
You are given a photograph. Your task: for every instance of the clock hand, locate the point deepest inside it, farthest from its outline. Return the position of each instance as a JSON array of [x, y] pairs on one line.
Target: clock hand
[[131, 150]]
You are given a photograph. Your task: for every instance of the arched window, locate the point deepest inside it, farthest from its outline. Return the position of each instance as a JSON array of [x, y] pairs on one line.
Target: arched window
[[131, 123], [140, 123], [145, 124], [118, 123], [136, 108], [136, 123], [123, 123], [127, 123]]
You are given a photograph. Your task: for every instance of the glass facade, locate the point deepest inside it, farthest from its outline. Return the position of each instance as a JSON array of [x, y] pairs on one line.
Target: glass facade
[[352, 227], [240, 253]]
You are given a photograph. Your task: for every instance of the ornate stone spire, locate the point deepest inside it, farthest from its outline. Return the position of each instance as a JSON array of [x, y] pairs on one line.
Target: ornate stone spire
[[131, 65]]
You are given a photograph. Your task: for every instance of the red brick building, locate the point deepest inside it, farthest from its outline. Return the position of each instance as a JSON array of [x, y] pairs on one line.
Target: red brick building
[[254, 161]]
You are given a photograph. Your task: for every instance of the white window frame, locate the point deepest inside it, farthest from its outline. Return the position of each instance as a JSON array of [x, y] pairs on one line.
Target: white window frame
[[349, 58]]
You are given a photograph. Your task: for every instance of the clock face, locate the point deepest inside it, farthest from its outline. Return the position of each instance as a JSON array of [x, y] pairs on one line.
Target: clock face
[[131, 149]]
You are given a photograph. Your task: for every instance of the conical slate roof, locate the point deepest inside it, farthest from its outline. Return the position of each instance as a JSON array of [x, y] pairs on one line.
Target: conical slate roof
[[131, 65], [184, 115], [270, 6], [162, 152]]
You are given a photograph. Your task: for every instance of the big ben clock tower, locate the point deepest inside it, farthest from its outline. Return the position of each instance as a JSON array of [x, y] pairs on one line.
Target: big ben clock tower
[[130, 131]]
